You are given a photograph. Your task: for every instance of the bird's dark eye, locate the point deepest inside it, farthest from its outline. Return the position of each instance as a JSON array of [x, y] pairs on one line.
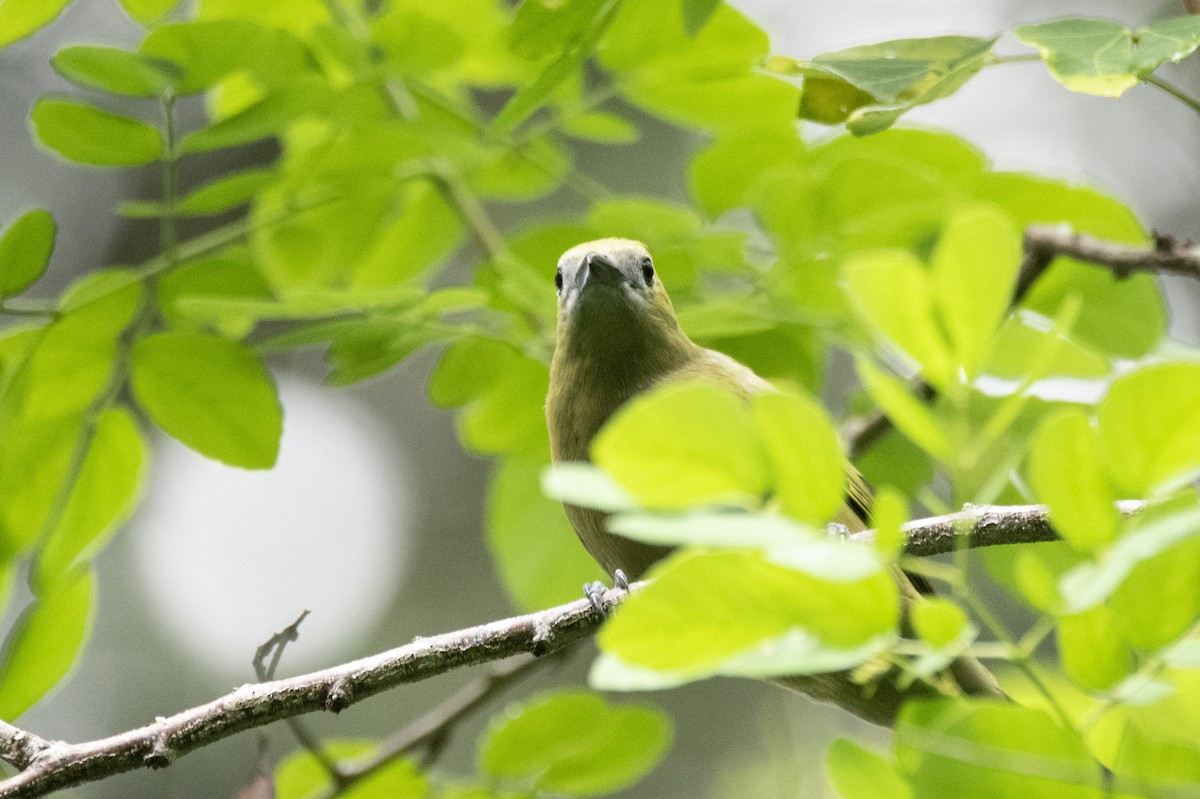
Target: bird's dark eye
[[648, 271], [558, 280]]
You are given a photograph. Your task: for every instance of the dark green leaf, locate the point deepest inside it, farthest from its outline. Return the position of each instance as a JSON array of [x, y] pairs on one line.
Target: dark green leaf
[[25, 248], [859, 773], [21, 18], [101, 498], [537, 554], [43, 643], [575, 743], [213, 395], [116, 71], [205, 51], [696, 14], [85, 134]]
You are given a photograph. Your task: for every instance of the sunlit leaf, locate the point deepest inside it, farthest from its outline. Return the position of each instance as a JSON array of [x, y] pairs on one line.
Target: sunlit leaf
[[1069, 475], [25, 248], [808, 469], [22, 18], [859, 773], [116, 71], [87, 135]]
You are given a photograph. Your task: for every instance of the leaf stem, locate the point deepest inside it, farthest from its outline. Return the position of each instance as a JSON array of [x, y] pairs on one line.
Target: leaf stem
[[1173, 90]]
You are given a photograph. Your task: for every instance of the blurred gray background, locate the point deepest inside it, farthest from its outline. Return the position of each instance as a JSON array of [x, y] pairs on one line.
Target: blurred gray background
[[372, 519]]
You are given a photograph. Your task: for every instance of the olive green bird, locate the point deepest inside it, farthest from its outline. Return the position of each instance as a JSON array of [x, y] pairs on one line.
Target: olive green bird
[[617, 337]]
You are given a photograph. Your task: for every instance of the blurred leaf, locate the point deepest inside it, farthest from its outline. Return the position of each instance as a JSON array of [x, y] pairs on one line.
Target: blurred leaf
[[1092, 651], [25, 248], [33, 466], [808, 468], [1089, 584], [267, 117], [684, 445], [910, 416], [301, 776], [938, 621], [506, 392], [572, 30], [1024, 333], [1150, 427], [893, 293], [600, 126], [148, 11], [102, 496], [722, 174], [116, 71], [696, 14], [521, 172], [87, 135], [585, 485], [421, 235], [575, 743], [1101, 57], [43, 643], [211, 394], [1171, 762], [416, 43], [1001, 751], [1173, 575], [1068, 474], [858, 773], [736, 613], [203, 51], [227, 275], [225, 193], [871, 86], [889, 514], [22, 18], [538, 557], [974, 267]]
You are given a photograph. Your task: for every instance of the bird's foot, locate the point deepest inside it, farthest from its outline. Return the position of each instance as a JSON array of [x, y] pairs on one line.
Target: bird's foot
[[837, 530], [594, 592]]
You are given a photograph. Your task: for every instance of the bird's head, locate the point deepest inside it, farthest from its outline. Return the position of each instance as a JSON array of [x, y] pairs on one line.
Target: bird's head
[[610, 300]]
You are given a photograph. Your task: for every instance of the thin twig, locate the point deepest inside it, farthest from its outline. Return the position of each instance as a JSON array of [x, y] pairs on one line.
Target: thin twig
[[434, 728]]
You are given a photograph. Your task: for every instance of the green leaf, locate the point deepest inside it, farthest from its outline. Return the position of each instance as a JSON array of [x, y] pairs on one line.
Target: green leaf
[[116, 71], [859, 773], [684, 445], [87, 135], [1150, 427], [43, 643], [1001, 751], [893, 294], [1092, 650], [416, 43], [938, 621], [302, 776], [539, 559], [737, 613], [1098, 56], [1089, 584], [213, 395], [584, 485], [889, 513], [22, 18], [541, 26], [599, 126], [267, 117], [25, 248], [575, 743], [912, 417], [696, 14], [871, 86], [1068, 474], [783, 541], [204, 51], [974, 267], [102, 496], [1093, 56], [425, 232], [225, 193], [148, 11], [583, 24], [808, 468], [1174, 575], [1168, 40]]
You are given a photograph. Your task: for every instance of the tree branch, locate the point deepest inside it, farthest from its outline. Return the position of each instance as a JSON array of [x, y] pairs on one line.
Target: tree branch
[[50, 765], [1168, 255]]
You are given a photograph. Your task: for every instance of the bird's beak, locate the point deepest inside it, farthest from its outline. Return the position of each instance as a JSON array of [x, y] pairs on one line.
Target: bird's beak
[[600, 270]]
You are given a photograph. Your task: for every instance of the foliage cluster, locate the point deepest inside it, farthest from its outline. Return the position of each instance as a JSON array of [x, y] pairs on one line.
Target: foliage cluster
[[402, 125]]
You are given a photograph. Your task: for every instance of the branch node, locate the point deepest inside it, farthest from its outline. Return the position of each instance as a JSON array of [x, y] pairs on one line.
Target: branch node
[[160, 754], [339, 696], [541, 637]]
